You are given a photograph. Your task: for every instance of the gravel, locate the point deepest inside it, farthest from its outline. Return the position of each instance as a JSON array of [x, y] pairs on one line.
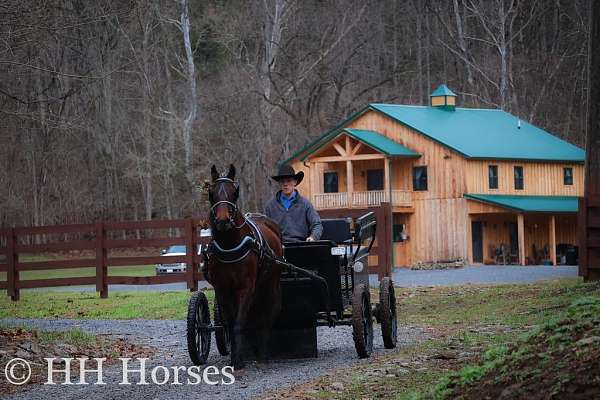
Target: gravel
[[478, 274], [336, 348]]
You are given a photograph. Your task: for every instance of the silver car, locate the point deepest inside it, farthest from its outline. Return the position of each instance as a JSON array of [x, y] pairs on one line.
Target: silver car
[[176, 250]]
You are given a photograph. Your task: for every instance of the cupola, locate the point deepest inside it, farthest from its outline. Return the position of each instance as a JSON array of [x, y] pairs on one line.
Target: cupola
[[443, 98]]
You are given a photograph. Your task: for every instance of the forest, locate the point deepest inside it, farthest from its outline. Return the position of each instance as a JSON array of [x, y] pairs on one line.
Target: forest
[[115, 110]]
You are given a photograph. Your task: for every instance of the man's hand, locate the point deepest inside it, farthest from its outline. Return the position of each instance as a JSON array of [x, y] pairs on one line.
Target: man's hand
[[310, 239]]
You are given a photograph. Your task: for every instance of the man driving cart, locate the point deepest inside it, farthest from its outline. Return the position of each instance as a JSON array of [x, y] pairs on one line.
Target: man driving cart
[[296, 216]]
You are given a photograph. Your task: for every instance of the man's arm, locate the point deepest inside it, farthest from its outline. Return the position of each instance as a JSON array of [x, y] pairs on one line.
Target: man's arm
[[314, 222]]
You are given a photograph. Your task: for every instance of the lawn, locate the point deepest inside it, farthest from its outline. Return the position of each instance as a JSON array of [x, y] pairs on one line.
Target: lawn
[[467, 329], [89, 305]]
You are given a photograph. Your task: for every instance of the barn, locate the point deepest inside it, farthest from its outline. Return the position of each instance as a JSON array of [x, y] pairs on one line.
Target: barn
[[449, 183]]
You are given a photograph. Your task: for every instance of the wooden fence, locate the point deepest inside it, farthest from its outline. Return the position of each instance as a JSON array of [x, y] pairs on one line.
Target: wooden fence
[[588, 225], [96, 241]]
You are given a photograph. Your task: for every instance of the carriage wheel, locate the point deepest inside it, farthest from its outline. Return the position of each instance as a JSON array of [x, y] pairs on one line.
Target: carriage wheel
[[198, 332], [387, 313], [362, 321], [222, 333]]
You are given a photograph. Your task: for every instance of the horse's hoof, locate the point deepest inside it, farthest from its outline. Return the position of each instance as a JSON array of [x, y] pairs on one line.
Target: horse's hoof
[[239, 372]]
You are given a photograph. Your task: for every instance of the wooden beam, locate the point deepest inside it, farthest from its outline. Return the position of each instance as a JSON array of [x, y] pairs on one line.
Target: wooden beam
[[340, 149], [314, 179], [348, 145], [521, 235], [356, 148], [552, 229], [349, 181], [356, 157]]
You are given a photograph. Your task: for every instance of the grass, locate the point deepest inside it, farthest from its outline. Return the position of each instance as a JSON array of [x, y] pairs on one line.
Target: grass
[[88, 305], [557, 358], [470, 329]]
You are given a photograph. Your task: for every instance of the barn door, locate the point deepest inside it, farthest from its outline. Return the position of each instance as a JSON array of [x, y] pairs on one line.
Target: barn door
[[477, 236]]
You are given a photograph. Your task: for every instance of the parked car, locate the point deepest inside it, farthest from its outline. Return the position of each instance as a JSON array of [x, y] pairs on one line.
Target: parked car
[[176, 250]]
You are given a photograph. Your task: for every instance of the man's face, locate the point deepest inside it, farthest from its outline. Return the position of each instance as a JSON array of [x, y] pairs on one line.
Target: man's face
[[287, 186]]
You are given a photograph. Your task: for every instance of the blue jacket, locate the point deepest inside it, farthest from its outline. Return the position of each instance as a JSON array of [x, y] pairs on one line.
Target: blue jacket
[[297, 223]]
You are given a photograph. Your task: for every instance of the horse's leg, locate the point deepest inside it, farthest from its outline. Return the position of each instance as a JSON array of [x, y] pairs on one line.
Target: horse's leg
[[269, 320], [243, 306]]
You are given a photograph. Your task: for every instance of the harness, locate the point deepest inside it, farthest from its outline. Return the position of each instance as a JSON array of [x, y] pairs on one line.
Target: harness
[[255, 243]]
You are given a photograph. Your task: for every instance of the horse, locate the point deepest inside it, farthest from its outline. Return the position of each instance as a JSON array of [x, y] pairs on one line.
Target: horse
[[241, 269]]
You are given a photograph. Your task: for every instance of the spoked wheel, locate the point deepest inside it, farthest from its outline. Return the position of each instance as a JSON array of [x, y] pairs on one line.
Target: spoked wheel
[[221, 334], [362, 321], [387, 313], [198, 328]]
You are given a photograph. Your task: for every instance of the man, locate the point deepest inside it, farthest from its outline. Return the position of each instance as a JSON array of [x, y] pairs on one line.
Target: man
[[294, 213]]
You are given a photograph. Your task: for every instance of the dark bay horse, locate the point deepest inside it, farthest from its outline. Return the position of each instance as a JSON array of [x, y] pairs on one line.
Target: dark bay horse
[[246, 280]]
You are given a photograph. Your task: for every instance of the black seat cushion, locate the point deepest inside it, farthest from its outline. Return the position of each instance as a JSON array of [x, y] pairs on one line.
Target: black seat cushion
[[337, 230]]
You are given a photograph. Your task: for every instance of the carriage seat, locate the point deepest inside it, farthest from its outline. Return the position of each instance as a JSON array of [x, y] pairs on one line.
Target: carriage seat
[[337, 230]]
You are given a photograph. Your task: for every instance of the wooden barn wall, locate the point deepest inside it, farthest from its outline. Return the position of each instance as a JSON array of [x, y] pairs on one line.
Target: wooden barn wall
[[305, 186], [438, 225], [538, 178], [437, 230]]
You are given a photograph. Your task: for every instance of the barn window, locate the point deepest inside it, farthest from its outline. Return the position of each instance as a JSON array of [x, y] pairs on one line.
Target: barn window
[[420, 178], [519, 178], [375, 179], [493, 176], [330, 182], [568, 176]]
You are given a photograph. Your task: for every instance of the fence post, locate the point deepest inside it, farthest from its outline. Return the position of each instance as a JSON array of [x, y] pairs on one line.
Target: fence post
[[101, 269], [387, 248], [12, 258], [190, 251]]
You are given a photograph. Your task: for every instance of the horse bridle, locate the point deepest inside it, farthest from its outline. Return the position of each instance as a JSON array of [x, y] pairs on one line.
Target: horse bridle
[[233, 209]]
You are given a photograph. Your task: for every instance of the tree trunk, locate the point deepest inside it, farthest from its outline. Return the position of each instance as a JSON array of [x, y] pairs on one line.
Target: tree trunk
[[592, 181], [192, 99]]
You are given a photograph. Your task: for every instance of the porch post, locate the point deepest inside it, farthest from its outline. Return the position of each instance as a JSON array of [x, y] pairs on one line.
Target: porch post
[[349, 181], [387, 180], [552, 229], [521, 234]]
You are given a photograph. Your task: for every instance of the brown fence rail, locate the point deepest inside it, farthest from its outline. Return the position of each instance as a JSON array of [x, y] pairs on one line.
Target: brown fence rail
[[95, 242]]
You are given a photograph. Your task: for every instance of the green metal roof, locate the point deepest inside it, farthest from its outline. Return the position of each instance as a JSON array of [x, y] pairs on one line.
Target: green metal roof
[[472, 132], [381, 143], [442, 90], [561, 204], [484, 133]]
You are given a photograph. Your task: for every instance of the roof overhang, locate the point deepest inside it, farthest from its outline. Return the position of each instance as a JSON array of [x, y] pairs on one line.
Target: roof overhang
[[530, 204]]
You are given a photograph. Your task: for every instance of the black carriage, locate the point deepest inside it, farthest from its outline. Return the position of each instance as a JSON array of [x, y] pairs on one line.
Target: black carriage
[[326, 284]]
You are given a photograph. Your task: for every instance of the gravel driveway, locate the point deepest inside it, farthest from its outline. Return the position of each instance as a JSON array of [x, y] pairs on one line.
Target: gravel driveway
[[335, 348], [480, 274]]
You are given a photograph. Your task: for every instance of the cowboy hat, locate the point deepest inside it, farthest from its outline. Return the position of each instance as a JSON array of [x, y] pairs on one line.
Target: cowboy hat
[[286, 171]]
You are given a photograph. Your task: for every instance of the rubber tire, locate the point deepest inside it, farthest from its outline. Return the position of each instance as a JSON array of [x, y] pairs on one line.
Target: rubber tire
[[362, 321], [387, 313], [198, 337], [221, 334]]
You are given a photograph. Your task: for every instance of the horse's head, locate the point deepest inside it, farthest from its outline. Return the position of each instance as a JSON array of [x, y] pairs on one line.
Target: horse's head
[[223, 194]]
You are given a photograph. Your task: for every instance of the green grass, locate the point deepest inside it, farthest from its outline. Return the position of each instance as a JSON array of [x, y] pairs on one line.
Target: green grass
[[75, 337], [88, 305], [482, 320]]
